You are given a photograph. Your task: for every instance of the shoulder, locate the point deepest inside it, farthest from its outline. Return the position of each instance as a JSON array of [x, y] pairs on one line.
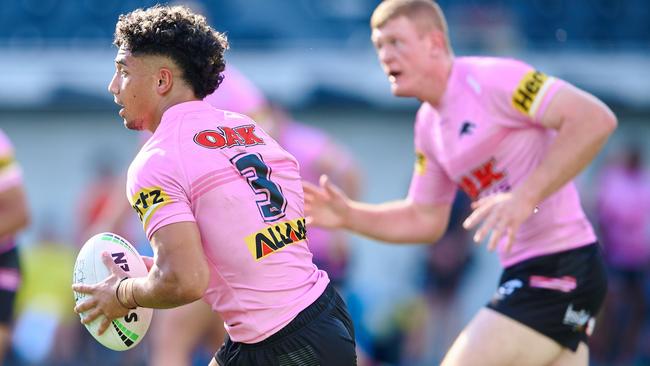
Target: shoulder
[[152, 176], [512, 84], [151, 160], [492, 70], [486, 65]]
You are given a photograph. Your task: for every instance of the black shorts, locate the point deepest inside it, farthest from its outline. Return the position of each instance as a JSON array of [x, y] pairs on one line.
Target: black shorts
[[9, 283], [322, 334], [558, 295]]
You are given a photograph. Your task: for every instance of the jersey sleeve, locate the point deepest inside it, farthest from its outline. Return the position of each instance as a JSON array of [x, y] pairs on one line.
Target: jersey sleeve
[[518, 91], [157, 192], [430, 184], [10, 171]]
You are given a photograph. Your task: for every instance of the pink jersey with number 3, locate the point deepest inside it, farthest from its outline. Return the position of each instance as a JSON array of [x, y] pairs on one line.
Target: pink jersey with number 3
[[485, 137], [244, 192]]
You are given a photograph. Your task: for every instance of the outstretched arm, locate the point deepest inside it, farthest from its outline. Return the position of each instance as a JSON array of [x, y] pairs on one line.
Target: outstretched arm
[[397, 222]]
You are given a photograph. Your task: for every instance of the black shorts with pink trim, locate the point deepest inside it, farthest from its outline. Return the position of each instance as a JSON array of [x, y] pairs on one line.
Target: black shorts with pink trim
[[558, 295], [9, 283]]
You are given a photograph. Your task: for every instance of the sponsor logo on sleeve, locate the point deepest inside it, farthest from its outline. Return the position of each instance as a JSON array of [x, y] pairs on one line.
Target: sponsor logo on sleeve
[[147, 201], [6, 161], [530, 92], [224, 137], [420, 162], [275, 237]]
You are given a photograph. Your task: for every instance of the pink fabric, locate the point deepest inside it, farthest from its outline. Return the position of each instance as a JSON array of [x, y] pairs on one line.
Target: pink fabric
[[485, 138], [219, 169], [624, 213]]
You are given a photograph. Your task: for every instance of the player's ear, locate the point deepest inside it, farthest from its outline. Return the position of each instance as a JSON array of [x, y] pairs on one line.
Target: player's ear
[[437, 41], [165, 80]]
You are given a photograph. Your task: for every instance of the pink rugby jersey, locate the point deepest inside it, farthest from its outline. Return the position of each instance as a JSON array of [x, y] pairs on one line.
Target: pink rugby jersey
[[10, 177], [485, 137], [220, 170]]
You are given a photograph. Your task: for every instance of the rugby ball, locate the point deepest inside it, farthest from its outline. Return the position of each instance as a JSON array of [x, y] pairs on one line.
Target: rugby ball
[[123, 333]]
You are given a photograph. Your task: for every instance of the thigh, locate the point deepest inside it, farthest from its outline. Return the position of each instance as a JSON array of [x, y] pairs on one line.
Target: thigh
[[568, 358], [492, 339]]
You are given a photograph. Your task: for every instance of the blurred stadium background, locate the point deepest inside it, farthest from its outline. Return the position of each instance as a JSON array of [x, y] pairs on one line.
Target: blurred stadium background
[[315, 58]]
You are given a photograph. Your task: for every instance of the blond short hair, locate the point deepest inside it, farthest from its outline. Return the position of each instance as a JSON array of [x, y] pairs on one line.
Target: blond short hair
[[424, 13]]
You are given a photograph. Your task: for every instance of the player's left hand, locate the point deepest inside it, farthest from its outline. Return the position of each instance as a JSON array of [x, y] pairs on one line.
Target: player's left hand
[[102, 299], [501, 215]]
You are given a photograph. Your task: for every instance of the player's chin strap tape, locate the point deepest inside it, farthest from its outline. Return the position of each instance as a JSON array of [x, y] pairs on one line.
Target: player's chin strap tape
[[124, 293]]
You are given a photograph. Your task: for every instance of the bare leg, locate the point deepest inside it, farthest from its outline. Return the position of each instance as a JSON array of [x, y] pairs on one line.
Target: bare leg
[[569, 358], [492, 339]]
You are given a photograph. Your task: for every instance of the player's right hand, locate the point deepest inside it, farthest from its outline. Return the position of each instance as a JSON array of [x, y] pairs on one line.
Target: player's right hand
[[325, 205], [102, 299]]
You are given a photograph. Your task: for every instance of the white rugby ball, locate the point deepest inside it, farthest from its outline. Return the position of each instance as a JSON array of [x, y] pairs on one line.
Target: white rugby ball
[[123, 333]]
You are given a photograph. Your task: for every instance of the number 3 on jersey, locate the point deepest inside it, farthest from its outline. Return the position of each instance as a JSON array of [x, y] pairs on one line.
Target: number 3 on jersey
[[272, 203]]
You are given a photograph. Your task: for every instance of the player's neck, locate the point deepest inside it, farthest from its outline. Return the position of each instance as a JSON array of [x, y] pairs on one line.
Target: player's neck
[[173, 98], [440, 79]]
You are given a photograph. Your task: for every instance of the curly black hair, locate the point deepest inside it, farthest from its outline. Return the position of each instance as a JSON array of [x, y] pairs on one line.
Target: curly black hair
[[183, 36]]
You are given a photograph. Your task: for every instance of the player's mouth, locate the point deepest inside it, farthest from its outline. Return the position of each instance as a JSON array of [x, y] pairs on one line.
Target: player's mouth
[[393, 75], [121, 112]]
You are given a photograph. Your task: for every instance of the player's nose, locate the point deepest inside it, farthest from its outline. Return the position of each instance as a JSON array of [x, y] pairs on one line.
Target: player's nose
[[112, 85]]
